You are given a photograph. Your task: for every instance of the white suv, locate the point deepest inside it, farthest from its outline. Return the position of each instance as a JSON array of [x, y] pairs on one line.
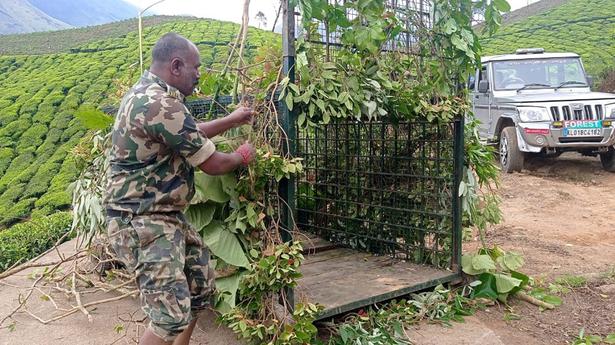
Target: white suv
[[537, 102]]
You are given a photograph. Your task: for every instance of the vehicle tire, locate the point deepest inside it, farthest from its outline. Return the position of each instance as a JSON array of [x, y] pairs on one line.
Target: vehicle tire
[[608, 160], [511, 158]]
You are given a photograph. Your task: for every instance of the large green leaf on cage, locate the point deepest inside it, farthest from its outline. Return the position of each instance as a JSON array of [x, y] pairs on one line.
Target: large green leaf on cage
[[224, 244], [228, 286], [208, 188], [200, 215]]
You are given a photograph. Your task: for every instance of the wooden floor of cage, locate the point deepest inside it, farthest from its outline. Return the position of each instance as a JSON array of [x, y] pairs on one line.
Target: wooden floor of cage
[[342, 279]]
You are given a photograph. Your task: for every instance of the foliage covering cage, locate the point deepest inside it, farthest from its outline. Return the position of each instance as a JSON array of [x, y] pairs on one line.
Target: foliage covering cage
[[386, 185]]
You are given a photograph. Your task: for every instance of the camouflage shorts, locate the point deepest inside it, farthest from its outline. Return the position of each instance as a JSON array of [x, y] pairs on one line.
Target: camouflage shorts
[[171, 266]]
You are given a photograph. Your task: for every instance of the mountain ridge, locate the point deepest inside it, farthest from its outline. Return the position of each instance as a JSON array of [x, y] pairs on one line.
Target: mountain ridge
[[20, 16], [27, 16]]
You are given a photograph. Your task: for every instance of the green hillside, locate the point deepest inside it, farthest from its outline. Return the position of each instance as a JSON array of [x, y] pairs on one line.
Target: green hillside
[[585, 27], [62, 40], [41, 92]]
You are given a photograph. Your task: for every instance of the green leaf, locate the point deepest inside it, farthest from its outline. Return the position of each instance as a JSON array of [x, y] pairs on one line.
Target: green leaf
[[510, 261], [93, 118], [224, 244], [487, 288], [524, 280], [610, 339], [301, 119], [555, 300], [466, 265], [326, 118], [200, 215], [209, 188], [320, 104], [229, 286], [450, 26], [289, 101], [229, 184], [483, 263], [501, 5], [505, 283]]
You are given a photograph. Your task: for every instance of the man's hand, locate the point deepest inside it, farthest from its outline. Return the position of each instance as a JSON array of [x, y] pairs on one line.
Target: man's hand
[[242, 116], [247, 153]]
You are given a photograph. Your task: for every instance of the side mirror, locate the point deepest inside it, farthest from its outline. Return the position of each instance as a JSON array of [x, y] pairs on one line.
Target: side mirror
[[590, 81], [483, 86]]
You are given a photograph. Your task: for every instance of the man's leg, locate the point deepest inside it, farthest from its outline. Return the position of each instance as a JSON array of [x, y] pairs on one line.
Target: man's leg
[[164, 291], [184, 337], [149, 338]]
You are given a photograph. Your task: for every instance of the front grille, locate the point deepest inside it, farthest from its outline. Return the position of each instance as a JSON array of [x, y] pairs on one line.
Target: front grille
[[585, 112]]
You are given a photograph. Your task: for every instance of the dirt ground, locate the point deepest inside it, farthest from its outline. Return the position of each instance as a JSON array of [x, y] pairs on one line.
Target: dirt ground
[[559, 214]]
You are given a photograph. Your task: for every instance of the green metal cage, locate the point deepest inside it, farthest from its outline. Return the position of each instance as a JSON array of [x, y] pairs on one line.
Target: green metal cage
[[377, 205]]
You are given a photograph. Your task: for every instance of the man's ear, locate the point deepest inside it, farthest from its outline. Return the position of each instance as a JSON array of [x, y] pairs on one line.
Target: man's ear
[[176, 65]]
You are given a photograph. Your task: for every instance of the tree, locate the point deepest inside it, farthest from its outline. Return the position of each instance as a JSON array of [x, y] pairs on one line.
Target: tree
[[261, 18]]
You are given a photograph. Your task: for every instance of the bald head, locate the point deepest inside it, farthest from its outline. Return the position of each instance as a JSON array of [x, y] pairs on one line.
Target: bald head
[[169, 46], [176, 60]]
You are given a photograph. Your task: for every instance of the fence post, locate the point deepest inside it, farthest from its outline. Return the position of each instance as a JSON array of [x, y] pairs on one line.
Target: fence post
[[287, 121], [287, 186], [459, 157]]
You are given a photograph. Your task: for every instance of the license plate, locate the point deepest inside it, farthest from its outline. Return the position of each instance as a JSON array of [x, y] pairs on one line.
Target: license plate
[[582, 132]]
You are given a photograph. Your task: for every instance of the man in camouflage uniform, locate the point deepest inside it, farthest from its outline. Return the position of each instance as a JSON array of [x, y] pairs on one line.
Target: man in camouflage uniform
[[156, 145]]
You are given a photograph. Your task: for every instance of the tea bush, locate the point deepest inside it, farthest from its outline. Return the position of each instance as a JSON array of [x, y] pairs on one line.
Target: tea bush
[[25, 241]]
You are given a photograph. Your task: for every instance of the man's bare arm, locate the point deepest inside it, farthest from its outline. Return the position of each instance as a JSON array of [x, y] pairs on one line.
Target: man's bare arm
[[221, 163], [239, 117]]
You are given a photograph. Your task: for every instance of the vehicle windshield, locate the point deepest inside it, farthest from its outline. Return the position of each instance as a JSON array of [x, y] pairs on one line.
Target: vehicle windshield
[[538, 73]]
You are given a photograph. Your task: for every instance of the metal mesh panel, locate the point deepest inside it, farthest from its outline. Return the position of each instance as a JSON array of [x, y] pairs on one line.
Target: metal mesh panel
[[203, 109], [380, 187], [413, 14]]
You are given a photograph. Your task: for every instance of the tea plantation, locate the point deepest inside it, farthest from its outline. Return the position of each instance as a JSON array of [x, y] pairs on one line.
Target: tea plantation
[[585, 27], [41, 93]]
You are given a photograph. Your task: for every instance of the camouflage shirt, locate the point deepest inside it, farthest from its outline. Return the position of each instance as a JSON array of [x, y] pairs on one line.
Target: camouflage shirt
[[155, 147]]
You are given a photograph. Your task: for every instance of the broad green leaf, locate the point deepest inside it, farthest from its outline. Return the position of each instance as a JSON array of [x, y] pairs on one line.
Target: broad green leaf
[[483, 263], [466, 265], [200, 215], [93, 118], [229, 184], [610, 339], [230, 285], [209, 188], [503, 297], [501, 5], [510, 261], [505, 283], [487, 288], [551, 299], [224, 244], [524, 280]]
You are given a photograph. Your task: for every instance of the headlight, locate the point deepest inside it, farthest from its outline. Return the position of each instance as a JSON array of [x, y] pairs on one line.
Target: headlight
[[609, 111], [533, 114]]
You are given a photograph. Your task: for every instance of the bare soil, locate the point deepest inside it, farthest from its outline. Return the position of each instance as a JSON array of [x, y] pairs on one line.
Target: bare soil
[[559, 213]]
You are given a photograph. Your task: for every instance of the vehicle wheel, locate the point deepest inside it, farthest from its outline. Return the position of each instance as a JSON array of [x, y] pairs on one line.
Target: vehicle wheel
[[511, 158], [608, 160]]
